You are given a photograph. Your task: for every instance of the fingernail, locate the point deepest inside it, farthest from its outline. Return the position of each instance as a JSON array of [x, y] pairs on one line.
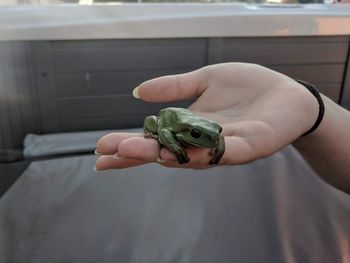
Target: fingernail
[[97, 152], [95, 168], [135, 92], [160, 160], [118, 157]]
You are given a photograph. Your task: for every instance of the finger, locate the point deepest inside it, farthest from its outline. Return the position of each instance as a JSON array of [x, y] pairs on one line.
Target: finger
[[196, 155], [105, 162], [167, 155], [237, 151], [176, 164], [146, 149], [108, 144], [172, 88]]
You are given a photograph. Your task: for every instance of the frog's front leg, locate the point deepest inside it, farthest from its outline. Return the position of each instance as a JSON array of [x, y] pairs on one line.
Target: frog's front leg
[[168, 139], [150, 127], [218, 152]]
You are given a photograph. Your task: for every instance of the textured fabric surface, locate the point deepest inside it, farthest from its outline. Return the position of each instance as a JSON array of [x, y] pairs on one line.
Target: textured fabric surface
[[272, 210]]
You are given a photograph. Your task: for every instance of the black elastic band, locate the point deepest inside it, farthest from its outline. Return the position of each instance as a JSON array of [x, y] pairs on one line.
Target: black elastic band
[[317, 95]]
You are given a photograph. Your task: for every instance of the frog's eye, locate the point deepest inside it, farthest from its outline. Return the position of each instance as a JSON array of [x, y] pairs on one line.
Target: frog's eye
[[220, 129], [195, 133]]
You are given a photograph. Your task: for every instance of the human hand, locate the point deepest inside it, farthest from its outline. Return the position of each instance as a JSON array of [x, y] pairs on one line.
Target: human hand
[[260, 110]]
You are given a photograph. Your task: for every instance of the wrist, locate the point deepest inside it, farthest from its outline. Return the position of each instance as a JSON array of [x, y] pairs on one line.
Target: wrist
[[321, 107], [322, 127], [310, 113]]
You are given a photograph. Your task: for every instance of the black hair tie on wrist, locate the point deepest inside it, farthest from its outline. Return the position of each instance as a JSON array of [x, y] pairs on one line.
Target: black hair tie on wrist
[[317, 95]]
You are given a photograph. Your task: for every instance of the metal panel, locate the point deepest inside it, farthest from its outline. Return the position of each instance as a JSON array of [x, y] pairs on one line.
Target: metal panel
[[115, 120], [10, 114], [122, 43], [330, 90], [315, 74], [105, 106], [104, 83], [11, 98], [5, 125], [24, 87], [215, 50], [45, 85], [19, 111], [130, 58], [101, 123], [272, 51], [93, 80], [319, 60]]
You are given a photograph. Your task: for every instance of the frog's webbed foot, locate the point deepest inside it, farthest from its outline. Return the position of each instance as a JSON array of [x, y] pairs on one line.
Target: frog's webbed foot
[[180, 153], [217, 152], [168, 140]]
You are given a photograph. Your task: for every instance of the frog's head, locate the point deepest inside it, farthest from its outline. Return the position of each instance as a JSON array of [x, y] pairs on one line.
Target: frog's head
[[199, 133]]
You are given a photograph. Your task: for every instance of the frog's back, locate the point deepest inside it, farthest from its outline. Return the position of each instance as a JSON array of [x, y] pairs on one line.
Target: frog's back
[[175, 112], [171, 117]]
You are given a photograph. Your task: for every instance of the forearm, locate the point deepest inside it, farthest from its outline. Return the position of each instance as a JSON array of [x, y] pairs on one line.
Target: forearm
[[327, 149]]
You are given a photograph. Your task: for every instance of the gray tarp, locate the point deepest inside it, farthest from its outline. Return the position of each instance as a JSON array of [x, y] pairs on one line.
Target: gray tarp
[[272, 210]]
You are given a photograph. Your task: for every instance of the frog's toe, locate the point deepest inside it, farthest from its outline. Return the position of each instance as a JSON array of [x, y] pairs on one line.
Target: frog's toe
[[212, 152], [182, 157], [214, 161], [186, 159]]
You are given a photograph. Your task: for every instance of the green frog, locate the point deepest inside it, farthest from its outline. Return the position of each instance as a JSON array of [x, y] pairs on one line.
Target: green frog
[[177, 128]]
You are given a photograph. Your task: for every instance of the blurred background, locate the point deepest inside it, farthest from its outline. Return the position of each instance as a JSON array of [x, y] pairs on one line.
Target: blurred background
[[90, 2]]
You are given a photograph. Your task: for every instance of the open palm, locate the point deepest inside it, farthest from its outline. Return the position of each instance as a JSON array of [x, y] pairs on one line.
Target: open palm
[[261, 111]]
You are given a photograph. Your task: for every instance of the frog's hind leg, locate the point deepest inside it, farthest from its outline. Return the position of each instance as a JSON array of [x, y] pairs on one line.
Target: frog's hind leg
[[168, 139], [150, 127]]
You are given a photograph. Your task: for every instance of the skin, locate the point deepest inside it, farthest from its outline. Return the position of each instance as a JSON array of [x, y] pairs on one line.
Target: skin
[[261, 111], [176, 128]]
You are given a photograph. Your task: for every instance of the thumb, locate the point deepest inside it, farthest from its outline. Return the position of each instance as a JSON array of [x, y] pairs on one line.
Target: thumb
[[172, 87]]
